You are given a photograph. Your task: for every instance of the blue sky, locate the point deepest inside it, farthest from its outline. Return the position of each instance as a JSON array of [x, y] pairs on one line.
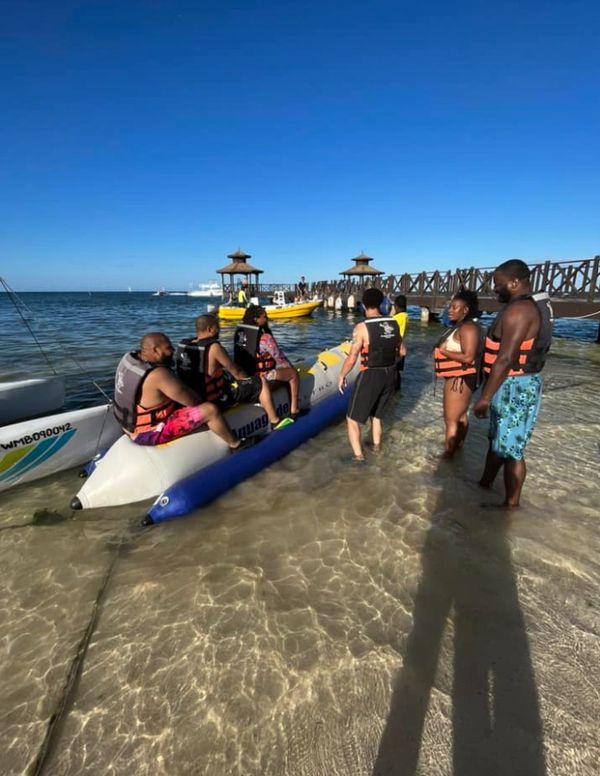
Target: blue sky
[[143, 141]]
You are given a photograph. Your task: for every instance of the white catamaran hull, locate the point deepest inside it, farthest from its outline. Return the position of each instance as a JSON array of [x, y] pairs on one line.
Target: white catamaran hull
[[130, 472], [47, 445], [21, 399]]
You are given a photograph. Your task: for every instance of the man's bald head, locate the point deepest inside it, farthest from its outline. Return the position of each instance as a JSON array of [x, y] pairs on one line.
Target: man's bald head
[[156, 348]]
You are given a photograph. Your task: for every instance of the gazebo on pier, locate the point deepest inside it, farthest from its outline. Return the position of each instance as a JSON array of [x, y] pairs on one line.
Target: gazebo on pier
[[238, 266], [361, 269]]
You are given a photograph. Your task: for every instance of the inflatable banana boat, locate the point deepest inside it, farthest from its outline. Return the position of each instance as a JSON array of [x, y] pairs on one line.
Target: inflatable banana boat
[[130, 473]]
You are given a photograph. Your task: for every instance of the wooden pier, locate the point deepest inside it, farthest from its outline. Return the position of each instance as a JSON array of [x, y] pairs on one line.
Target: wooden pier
[[573, 286]]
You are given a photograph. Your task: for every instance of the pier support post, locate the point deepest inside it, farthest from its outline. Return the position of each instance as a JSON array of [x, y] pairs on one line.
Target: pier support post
[[424, 314], [598, 335]]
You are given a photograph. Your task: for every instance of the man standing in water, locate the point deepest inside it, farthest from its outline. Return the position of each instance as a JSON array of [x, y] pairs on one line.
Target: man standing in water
[[515, 352], [153, 406], [378, 342]]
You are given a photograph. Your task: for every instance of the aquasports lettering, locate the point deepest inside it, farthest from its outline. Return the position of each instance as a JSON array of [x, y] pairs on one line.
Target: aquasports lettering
[[260, 423], [45, 433]]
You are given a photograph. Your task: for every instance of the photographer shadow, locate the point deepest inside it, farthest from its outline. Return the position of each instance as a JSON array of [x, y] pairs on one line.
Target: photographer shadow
[[467, 588]]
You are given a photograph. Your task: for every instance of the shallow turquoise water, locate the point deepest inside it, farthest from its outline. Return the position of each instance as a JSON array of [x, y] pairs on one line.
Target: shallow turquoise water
[[320, 618]]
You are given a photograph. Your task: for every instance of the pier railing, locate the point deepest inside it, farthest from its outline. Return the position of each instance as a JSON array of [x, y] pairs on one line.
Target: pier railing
[[574, 286]]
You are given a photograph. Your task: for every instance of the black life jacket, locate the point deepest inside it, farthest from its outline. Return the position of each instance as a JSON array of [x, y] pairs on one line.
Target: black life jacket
[[191, 363], [246, 341], [384, 340], [532, 352], [129, 380]]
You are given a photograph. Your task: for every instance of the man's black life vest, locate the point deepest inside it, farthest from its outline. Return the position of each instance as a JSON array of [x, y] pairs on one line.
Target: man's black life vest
[[246, 342], [191, 363], [384, 341], [532, 352]]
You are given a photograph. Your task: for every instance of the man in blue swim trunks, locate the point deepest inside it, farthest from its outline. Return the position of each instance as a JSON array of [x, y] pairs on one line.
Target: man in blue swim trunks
[[515, 352]]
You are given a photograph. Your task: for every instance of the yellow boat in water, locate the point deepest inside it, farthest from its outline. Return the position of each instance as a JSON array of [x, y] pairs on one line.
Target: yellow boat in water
[[274, 311]]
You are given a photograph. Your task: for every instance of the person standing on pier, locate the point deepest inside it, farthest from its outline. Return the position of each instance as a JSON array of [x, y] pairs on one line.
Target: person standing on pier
[[515, 352], [378, 342]]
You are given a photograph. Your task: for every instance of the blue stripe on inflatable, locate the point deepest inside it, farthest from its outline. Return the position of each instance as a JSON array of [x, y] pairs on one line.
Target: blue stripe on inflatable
[[204, 486]]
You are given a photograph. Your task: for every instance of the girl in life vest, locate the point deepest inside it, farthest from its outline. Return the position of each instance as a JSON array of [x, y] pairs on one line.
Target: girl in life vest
[[257, 352], [457, 359]]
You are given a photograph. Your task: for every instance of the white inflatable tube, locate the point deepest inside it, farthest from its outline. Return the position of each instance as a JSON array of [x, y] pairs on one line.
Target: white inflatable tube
[[129, 473]]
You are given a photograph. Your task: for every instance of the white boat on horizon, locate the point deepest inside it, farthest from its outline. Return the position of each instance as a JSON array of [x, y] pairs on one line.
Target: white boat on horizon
[[211, 290]]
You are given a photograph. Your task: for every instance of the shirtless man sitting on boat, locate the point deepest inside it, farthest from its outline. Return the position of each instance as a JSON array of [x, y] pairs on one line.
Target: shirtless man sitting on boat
[[153, 406], [203, 364]]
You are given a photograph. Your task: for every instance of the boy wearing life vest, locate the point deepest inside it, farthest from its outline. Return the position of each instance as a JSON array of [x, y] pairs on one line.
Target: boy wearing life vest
[[515, 353], [378, 342], [153, 406], [203, 364]]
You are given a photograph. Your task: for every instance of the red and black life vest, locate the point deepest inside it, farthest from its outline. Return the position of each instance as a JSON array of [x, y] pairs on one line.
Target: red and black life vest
[[129, 381], [191, 363], [532, 352], [246, 353], [384, 340]]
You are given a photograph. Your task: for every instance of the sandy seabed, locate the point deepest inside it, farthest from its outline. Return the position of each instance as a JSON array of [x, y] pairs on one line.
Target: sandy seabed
[[322, 619]]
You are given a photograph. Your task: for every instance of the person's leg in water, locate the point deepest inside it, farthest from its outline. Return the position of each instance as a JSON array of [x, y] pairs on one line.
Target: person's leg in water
[[457, 396], [290, 376], [493, 464], [354, 437], [514, 477], [376, 433]]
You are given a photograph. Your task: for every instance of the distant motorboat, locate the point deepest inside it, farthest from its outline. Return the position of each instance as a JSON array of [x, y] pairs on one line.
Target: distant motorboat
[[160, 292], [210, 290]]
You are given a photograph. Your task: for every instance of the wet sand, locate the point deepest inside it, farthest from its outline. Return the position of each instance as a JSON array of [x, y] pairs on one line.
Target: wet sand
[[323, 618]]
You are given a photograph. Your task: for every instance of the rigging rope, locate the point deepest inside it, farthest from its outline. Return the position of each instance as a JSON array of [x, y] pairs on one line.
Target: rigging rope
[[16, 300]]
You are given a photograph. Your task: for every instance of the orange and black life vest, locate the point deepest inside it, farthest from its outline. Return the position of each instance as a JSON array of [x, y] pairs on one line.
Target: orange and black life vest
[[532, 352], [446, 366], [384, 341], [246, 350], [129, 381], [191, 362]]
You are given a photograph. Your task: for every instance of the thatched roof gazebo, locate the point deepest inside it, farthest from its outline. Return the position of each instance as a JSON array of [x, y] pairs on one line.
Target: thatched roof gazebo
[[361, 269], [238, 266]]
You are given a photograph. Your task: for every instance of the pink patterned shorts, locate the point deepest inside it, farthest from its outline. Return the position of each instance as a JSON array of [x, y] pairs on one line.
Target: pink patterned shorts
[[184, 421]]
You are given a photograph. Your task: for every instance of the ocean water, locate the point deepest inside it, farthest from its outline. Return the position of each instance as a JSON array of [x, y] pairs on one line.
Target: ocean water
[[322, 618]]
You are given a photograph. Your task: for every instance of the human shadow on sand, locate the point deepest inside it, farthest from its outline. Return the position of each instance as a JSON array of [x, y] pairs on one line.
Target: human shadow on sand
[[468, 585]]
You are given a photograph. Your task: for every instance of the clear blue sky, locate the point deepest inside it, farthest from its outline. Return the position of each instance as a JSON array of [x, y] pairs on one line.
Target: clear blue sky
[[143, 141]]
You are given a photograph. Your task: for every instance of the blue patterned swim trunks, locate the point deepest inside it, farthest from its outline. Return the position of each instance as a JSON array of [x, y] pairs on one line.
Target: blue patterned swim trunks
[[513, 412]]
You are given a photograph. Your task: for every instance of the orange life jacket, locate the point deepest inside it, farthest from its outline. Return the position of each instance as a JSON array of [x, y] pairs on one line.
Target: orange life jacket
[[446, 366], [148, 418], [532, 352]]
